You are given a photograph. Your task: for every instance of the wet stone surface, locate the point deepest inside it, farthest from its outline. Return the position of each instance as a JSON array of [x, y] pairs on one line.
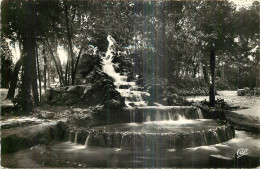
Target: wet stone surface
[[161, 134], [69, 154]]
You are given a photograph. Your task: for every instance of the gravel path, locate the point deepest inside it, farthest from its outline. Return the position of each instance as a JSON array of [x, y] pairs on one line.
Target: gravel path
[[250, 105]]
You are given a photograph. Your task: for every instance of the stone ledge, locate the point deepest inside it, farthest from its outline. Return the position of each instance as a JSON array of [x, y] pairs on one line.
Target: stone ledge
[[136, 140], [19, 138], [242, 122]]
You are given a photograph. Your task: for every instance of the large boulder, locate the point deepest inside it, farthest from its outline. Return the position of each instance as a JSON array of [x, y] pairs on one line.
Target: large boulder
[[96, 90], [88, 63], [68, 96], [124, 64], [102, 90], [113, 104], [257, 91], [140, 81], [15, 139], [79, 89], [241, 92], [242, 122], [99, 95], [46, 114]]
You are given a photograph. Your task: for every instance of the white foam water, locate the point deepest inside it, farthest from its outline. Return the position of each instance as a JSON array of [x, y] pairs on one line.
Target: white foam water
[[86, 143], [129, 90], [199, 113], [130, 96]]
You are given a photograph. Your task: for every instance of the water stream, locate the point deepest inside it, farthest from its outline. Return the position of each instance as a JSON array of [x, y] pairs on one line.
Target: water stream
[[126, 89], [155, 136], [75, 155], [138, 99], [164, 127]]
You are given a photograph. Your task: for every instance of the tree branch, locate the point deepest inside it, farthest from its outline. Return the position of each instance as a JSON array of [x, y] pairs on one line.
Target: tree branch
[[55, 62], [81, 49], [69, 40]]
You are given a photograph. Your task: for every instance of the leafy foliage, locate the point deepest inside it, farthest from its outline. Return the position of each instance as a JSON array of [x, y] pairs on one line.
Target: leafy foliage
[[166, 41]]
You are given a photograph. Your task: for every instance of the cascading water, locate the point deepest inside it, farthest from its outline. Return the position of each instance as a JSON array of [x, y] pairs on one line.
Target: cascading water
[[130, 95], [160, 135], [216, 136], [164, 113], [136, 99], [199, 113], [86, 143], [204, 135], [76, 138], [164, 127]]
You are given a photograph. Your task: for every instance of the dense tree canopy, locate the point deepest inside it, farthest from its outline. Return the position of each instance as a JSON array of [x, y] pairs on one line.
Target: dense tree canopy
[[170, 42]]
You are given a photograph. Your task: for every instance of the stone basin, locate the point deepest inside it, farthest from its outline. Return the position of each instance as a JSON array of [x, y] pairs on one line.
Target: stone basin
[[159, 134]]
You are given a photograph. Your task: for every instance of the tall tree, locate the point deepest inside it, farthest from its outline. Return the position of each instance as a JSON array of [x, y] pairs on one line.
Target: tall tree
[[29, 43]]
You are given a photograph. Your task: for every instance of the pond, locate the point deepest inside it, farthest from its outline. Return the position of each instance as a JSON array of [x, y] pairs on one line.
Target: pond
[[69, 154]]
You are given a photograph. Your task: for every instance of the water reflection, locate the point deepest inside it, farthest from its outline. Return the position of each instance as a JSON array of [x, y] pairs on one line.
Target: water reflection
[[189, 157]]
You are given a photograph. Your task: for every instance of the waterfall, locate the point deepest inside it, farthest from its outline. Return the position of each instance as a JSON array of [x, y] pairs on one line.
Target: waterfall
[[86, 143], [170, 113], [224, 133], [148, 136], [134, 98], [169, 116], [180, 117], [204, 135], [148, 118], [167, 139], [128, 92], [158, 116], [199, 112], [228, 134], [121, 144], [216, 136], [76, 138], [174, 140]]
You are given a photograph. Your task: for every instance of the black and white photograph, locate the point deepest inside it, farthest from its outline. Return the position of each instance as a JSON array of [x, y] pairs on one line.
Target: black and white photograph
[[130, 84]]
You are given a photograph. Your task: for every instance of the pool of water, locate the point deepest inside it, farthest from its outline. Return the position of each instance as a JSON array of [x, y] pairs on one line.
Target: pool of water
[[74, 155], [189, 157]]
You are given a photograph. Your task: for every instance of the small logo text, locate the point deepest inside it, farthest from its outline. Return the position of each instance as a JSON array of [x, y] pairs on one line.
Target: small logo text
[[241, 152]]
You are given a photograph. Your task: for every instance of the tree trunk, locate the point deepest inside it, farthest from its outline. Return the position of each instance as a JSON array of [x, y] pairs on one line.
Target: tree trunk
[[78, 57], [70, 43], [58, 67], [34, 78], [67, 70], [222, 74], [29, 56], [49, 72], [66, 73], [26, 82], [39, 74], [14, 79], [212, 84], [195, 67], [258, 67], [44, 69], [205, 74]]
